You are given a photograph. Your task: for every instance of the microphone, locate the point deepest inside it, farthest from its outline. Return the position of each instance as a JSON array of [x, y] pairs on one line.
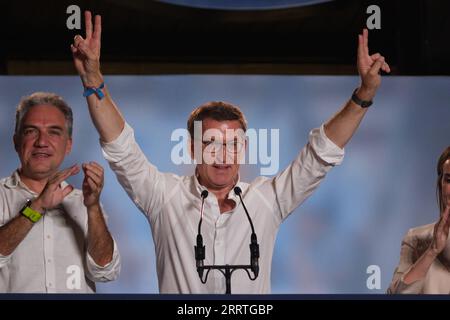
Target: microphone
[[200, 248], [254, 247]]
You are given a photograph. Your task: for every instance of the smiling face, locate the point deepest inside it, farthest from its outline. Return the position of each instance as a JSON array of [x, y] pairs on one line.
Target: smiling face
[[42, 141], [220, 166]]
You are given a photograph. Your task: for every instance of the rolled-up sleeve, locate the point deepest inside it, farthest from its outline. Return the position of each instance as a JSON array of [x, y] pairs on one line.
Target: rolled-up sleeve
[[299, 180], [109, 272], [116, 150], [324, 148], [4, 260], [142, 181]]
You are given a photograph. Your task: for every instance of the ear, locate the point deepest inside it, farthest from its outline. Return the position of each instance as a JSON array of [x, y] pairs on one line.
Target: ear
[[69, 146], [191, 148], [16, 142]]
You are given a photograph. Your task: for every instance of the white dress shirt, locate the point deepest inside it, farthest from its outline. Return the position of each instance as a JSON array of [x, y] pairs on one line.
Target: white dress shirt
[[172, 203], [53, 257]]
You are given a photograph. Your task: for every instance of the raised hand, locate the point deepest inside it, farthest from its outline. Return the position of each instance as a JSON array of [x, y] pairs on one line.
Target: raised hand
[[86, 52], [369, 67], [92, 183], [441, 230], [53, 194]]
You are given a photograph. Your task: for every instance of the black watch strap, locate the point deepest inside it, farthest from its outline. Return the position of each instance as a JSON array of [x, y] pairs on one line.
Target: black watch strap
[[358, 101]]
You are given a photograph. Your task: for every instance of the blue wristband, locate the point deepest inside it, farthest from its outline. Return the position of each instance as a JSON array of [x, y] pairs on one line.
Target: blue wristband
[[98, 91]]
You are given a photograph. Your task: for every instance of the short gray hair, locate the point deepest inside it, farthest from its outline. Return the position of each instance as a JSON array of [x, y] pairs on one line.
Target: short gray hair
[[43, 98]]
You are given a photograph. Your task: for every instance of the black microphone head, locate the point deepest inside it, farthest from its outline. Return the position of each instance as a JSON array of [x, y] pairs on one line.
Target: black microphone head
[[204, 194], [199, 240], [237, 190], [255, 267], [254, 256]]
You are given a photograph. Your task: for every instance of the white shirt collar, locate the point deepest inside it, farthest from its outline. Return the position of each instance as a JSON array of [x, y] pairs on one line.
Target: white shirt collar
[[14, 181], [198, 188]]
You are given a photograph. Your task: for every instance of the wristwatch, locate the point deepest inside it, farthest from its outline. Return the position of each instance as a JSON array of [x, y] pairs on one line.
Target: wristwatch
[[358, 101], [30, 213]]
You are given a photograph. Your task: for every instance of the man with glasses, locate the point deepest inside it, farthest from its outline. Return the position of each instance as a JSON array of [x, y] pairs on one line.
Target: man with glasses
[[172, 203]]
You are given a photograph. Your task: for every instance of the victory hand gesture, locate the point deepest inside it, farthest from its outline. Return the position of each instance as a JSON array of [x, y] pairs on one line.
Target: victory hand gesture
[[86, 52], [369, 66]]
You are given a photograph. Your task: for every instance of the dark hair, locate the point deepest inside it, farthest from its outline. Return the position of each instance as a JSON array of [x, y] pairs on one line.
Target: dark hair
[[217, 110], [43, 98], [440, 171]]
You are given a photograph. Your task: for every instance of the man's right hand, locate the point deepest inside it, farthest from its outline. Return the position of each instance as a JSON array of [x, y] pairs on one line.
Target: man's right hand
[[86, 57], [53, 194], [86, 52]]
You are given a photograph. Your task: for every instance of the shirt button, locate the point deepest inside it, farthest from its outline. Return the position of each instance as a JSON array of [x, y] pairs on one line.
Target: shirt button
[[48, 236], [49, 260], [49, 284]]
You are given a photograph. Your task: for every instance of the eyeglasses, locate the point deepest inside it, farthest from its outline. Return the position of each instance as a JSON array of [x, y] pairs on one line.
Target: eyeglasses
[[216, 146]]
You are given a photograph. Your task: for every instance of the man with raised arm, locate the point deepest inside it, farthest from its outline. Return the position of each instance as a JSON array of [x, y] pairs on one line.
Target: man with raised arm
[[172, 203]]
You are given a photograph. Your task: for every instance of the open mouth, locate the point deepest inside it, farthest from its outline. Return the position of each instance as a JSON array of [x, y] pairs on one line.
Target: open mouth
[[41, 155], [222, 166]]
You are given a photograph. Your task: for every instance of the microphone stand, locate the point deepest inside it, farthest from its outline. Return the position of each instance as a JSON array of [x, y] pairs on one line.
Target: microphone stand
[[227, 270]]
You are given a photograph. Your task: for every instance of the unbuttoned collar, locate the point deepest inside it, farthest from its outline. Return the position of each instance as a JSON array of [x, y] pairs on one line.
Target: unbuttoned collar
[[198, 188], [14, 182]]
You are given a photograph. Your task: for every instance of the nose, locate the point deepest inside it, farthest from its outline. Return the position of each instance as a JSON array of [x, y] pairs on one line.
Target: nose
[[226, 156], [41, 140]]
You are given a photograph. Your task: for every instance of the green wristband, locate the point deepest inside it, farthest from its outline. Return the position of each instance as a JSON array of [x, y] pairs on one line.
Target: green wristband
[[31, 214]]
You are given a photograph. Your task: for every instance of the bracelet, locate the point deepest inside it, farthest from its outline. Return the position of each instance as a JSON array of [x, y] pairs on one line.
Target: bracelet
[[358, 101], [98, 91], [30, 213]]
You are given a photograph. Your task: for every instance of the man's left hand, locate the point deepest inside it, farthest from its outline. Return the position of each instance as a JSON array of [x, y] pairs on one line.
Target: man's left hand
[[369, 67], [92, 183]]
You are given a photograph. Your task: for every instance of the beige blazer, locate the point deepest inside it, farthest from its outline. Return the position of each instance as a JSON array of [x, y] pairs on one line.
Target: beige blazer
[[414, 244]]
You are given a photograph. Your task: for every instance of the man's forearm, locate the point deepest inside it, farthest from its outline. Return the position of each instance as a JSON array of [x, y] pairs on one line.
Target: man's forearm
[[13, 233], [105, 115], [100, 242], [341, 127]]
